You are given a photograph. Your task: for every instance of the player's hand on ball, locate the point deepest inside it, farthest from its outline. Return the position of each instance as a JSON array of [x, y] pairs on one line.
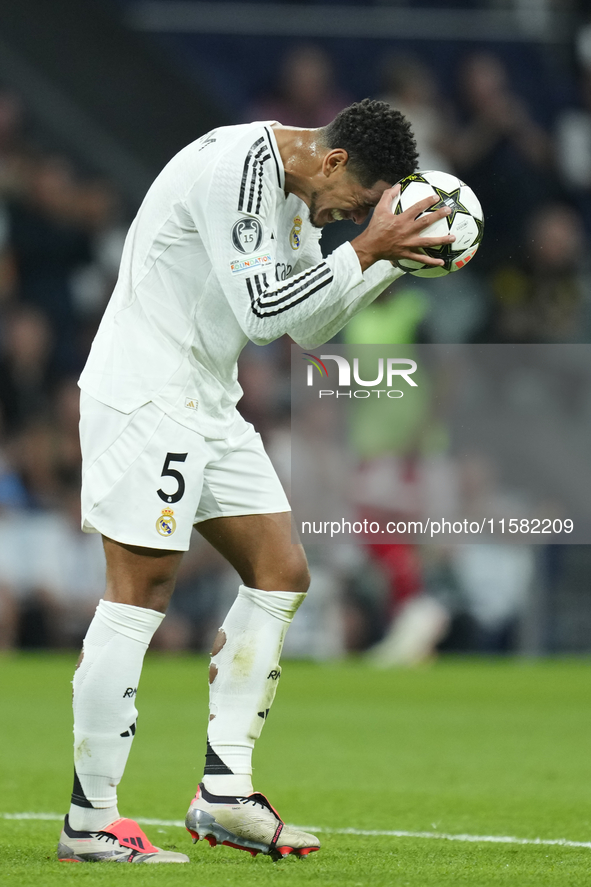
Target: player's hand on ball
[[395, 237], [416, 223]]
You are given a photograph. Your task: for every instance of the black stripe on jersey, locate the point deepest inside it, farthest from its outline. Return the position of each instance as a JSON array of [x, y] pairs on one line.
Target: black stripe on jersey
[[257, 172], [253, 176], [294, 293], [294, 286], [245, 171], [260, 194], [292, 297], [306, 294], [272, 149]]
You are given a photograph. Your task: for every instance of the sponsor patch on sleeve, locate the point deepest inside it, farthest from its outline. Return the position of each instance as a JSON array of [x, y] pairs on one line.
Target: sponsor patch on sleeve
[[239, 265]]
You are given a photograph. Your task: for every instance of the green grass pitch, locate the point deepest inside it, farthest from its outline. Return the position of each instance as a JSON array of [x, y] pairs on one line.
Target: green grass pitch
[[461, 747]]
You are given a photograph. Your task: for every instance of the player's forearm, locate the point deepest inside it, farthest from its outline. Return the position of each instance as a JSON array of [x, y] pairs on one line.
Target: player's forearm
[[376, 280], [338, 291]]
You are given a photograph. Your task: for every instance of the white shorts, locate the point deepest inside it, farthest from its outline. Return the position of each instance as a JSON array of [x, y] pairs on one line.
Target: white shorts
[[146, 480]]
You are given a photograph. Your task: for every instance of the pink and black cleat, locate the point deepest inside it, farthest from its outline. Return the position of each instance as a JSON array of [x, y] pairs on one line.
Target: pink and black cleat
[[122, 841]]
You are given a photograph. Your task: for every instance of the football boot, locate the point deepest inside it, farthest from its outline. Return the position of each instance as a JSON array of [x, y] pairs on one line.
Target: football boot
[[246, 823], [122, 841]]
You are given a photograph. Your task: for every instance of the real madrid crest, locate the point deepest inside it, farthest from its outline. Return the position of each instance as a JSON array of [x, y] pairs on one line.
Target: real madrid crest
[[294, 234], [166, 524]]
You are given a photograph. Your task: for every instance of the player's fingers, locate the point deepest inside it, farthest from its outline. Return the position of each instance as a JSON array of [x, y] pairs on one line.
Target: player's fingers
[[427, 260], [417, 208], [387, 199], [422, 258], [430, 218], [437, 241]]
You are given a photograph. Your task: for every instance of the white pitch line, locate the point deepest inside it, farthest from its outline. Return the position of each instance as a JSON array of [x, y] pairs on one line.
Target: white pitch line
[[371, 833]]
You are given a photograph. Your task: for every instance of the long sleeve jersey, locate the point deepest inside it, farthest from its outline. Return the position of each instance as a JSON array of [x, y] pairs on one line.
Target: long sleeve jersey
[[218, 255]]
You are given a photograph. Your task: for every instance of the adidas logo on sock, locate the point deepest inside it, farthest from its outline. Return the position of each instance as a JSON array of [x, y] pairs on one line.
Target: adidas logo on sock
[[130, 732]]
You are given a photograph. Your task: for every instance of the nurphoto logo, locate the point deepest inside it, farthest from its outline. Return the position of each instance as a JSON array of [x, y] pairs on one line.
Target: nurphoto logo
[[390, 370]]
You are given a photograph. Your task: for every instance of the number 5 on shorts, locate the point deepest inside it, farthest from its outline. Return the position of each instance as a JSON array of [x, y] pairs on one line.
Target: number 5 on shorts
[[167, 471]]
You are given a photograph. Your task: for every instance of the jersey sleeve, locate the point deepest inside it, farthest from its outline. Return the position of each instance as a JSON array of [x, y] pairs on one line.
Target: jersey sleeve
[[376, 279], [234, 209]]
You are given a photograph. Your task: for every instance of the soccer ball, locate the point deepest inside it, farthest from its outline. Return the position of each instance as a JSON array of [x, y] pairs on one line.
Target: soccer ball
[[466, 220]]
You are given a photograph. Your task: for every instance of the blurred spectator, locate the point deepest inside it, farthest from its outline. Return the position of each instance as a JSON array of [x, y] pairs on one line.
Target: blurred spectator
[[420, 625], [574, 139], [47, 243], [306, 95], [494, 581], [11, 123], [66, 413], [53, 574], [408, 85], [46, 452], [544, 294], [98, 211], [27, 369], [262, 375], [504, 155], [573, 133]]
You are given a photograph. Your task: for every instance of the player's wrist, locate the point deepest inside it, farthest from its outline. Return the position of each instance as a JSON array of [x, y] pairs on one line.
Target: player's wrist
[[364, 252]]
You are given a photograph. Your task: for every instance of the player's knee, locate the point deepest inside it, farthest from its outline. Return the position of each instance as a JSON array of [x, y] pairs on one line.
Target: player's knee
[[287, 573], [295, 574]]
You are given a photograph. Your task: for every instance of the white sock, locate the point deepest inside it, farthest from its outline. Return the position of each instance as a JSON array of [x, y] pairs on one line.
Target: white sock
[[245, 674], [105, 686]]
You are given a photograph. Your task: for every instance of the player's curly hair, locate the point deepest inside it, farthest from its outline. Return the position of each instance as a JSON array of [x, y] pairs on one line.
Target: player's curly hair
[[378, 140]]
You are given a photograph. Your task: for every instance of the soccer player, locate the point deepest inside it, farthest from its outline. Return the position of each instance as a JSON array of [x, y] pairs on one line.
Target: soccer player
[[224, 249]]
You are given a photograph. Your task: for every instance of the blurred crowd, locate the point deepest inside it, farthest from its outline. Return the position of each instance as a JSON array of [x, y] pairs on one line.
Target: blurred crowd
[[61, 235]]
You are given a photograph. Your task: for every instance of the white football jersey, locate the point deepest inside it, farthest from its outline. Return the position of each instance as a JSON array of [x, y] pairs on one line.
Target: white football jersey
[[218, 255]]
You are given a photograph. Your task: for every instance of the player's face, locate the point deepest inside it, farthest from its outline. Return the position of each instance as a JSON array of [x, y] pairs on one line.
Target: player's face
[[343, 197]]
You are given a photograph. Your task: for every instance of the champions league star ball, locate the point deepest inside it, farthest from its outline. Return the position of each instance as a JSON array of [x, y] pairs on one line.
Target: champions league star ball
[[466, 220]]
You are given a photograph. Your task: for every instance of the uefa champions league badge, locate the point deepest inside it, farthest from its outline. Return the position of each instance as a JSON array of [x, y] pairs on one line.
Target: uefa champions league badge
[[166, 524], [247, 235], [294, 234]]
